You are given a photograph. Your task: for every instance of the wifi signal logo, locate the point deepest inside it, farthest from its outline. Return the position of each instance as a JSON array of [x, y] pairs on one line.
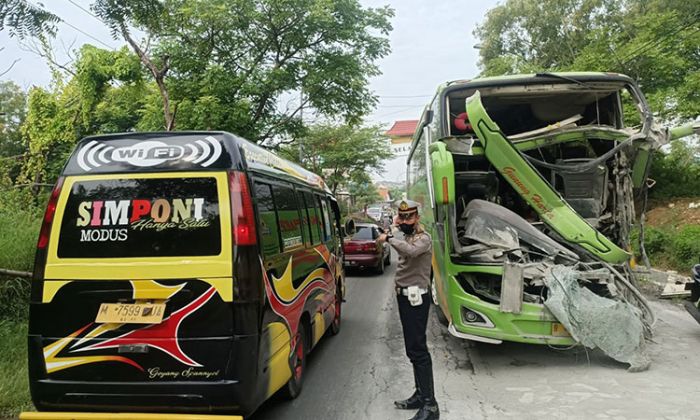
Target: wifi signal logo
[[149, 153]]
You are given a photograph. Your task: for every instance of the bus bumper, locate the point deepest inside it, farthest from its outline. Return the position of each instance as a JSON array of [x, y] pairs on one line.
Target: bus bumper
[[47, 415], [533, 325]]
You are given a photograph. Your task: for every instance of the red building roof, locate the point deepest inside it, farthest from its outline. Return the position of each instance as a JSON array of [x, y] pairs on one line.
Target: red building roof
[[402, 128]]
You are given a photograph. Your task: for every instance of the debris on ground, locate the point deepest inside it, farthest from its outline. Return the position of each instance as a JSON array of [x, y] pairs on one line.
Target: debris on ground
[[609, 323]]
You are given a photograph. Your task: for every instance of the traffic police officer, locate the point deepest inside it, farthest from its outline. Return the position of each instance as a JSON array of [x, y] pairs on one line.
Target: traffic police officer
[[412, 281]]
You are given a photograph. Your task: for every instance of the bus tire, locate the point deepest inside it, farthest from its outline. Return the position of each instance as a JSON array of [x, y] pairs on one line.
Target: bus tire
[[335, 325], [442, 319], [298, 364]]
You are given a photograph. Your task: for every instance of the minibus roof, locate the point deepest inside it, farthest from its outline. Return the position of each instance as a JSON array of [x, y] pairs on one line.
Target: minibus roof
[[180, 151]]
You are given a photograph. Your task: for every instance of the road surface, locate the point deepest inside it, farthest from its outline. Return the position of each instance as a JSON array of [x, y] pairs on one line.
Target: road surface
[[358, 373]]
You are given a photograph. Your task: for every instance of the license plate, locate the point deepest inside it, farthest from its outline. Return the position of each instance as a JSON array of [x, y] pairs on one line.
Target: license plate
[[130, 313], [558, 330]]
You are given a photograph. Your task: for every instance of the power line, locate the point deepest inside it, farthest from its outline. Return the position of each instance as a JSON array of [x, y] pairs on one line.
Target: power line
[[401, 106], [394, 112], [405, 96], [85, 10], [70, 25], [656, 42]]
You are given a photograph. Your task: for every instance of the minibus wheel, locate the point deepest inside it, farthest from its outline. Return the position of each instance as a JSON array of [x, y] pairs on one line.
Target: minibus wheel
[[335, 325], [298, 364]]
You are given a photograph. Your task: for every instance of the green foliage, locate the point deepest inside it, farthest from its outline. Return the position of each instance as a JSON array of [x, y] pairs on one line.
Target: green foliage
[[226, 65], [670, 247], [20, 220], [106, 94], [677, 173], [396, 192], [653, 41], [99, 73], [49, 125], [363, 191], [22, 19], [685, 245], [14, 386], [13, 111], [656, 240], [342, 154]]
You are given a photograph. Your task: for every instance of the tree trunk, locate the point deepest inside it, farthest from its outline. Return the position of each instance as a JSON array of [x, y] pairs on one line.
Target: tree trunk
[[158, 76]]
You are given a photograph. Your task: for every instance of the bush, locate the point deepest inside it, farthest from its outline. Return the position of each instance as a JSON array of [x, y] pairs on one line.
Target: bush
[[656, 241], [677, 173], [20, 220], [14, 386], [670, 248], [686, 246]]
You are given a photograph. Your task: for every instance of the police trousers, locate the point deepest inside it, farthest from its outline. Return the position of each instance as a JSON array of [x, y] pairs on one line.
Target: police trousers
[[414, 321]]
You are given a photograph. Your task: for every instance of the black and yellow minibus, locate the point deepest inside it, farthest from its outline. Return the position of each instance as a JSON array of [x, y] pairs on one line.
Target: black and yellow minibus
[[186, 272]]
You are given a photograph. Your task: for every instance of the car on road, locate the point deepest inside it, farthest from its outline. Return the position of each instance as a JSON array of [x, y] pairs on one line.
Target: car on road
[[362, 249], [374, 212]]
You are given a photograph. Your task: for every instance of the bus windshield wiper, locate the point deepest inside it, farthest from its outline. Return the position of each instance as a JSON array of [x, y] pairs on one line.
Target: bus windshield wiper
[[558, 76]]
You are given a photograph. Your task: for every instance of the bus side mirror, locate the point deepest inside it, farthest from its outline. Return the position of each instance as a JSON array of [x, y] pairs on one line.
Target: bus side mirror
[[443, 173], [349, 227]]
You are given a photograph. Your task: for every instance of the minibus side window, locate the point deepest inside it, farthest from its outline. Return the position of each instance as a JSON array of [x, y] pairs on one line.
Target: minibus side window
[[288, 217], [326, 219], [314, 218], [267, 220], [304, 218]]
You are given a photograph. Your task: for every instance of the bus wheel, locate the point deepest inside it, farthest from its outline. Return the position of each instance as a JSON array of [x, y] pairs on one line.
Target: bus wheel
[[335, 326], [298, 364], [442, 319]]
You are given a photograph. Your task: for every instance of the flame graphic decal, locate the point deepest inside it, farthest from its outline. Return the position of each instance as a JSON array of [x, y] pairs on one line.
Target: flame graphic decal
[[161, 336], [54, 363], [286, 300]]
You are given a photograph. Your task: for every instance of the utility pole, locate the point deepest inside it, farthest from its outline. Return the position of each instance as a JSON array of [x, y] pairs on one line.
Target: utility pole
[[301, 115]]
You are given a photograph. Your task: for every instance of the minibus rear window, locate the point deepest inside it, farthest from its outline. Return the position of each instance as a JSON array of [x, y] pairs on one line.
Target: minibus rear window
[[155, 217]]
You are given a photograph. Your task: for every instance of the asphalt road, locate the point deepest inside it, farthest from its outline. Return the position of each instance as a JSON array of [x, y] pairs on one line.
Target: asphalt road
[[358, 373]]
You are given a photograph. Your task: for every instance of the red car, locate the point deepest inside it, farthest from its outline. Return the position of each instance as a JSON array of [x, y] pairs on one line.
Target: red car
[[362, 249]]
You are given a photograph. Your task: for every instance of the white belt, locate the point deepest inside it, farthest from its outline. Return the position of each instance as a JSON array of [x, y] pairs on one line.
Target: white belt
[[404, 291]]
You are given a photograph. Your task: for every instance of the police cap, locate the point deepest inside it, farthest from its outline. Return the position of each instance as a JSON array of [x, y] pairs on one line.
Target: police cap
[[408, 206]]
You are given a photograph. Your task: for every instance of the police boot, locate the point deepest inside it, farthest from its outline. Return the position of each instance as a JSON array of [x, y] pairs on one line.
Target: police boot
[[429, 410], [415, 400]]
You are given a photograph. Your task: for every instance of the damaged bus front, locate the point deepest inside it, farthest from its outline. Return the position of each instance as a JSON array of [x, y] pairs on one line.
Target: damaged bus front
[[529, 184]]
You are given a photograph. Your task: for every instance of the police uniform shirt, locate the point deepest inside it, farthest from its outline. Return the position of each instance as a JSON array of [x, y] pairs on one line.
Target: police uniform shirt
[[415, 259]]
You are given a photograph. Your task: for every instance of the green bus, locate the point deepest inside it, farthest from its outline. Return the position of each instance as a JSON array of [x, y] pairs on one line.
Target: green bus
[[518, 173]]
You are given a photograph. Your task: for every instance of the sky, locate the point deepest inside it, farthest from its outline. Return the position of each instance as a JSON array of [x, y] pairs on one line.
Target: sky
[[432, 42]]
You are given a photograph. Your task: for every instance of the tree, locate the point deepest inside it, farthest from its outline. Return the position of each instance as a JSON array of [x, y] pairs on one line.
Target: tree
[[24, 19], [105, 92], [396, 192], [363, 191], [227, 64], [653, 41], [13, 110], [340, 153]]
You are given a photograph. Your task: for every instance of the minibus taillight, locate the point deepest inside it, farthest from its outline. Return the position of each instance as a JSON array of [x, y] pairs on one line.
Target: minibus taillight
[[242, 215], [48, 215]]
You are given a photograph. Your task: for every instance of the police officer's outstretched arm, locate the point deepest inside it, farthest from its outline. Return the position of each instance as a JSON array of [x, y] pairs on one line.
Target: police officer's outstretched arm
[[412, 249]]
